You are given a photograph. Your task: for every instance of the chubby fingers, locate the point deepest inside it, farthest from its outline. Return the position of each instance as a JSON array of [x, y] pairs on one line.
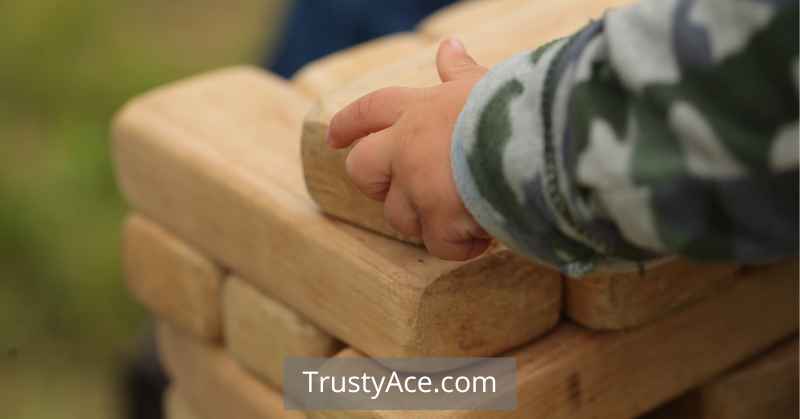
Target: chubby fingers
[[400, 213], [454, 63], [369, 164], [371, 113], [454, 238], [448, 231]]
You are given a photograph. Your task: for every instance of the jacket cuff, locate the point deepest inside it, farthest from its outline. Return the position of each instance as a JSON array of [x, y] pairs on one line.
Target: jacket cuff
[[498, 163]]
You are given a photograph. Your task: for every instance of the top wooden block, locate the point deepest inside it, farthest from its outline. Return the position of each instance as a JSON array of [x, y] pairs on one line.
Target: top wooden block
[[614, 301], [458, 17], [216, 160], [323, 76]]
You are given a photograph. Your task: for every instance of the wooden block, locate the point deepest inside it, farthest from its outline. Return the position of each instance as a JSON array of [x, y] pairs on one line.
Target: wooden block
[[260, 332], [766, 387], [576, 373], [175, 407], [216, 160], [327, 74], [534, 24], [611, 301], [459, 16], [214, 384], [170, 278]]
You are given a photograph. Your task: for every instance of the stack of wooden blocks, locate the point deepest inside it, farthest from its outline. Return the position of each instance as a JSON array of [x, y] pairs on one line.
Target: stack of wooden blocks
[[240, 267]]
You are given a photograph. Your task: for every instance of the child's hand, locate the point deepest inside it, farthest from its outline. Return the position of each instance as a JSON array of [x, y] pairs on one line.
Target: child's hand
[[402, 155]]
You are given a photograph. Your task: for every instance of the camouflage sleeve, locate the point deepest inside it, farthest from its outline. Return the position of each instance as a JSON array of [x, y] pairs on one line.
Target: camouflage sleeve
[[668, 127]]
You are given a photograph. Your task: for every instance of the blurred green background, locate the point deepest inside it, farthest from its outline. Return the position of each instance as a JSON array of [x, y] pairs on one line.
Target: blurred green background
[[66, 66]]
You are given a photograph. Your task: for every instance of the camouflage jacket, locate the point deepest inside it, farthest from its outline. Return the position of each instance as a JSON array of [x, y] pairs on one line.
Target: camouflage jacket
[[669, 127]]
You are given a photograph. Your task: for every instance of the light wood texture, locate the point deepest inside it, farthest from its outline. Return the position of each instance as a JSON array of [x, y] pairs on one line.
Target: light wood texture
[[327, 74], [534, 24], [213, 384], [575, 373], [216, 160], [260, 332], [766, 387], [457, 17], [617, 301], [171, 279], [175, 407]]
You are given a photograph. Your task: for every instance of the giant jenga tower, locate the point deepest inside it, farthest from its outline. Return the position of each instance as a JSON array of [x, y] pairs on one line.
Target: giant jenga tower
[[248, 243]]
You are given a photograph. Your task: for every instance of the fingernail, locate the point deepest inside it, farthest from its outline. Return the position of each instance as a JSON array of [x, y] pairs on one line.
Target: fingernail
[[456, 44]]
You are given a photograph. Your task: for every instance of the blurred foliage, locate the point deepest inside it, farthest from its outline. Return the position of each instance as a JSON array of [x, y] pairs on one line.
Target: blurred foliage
[[67, 66]]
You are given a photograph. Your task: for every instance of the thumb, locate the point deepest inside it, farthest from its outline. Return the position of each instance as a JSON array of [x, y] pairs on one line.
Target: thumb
[[453, 61]]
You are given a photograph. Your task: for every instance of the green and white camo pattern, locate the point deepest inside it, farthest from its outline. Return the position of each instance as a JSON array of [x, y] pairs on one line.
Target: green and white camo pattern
[[668, 127]]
